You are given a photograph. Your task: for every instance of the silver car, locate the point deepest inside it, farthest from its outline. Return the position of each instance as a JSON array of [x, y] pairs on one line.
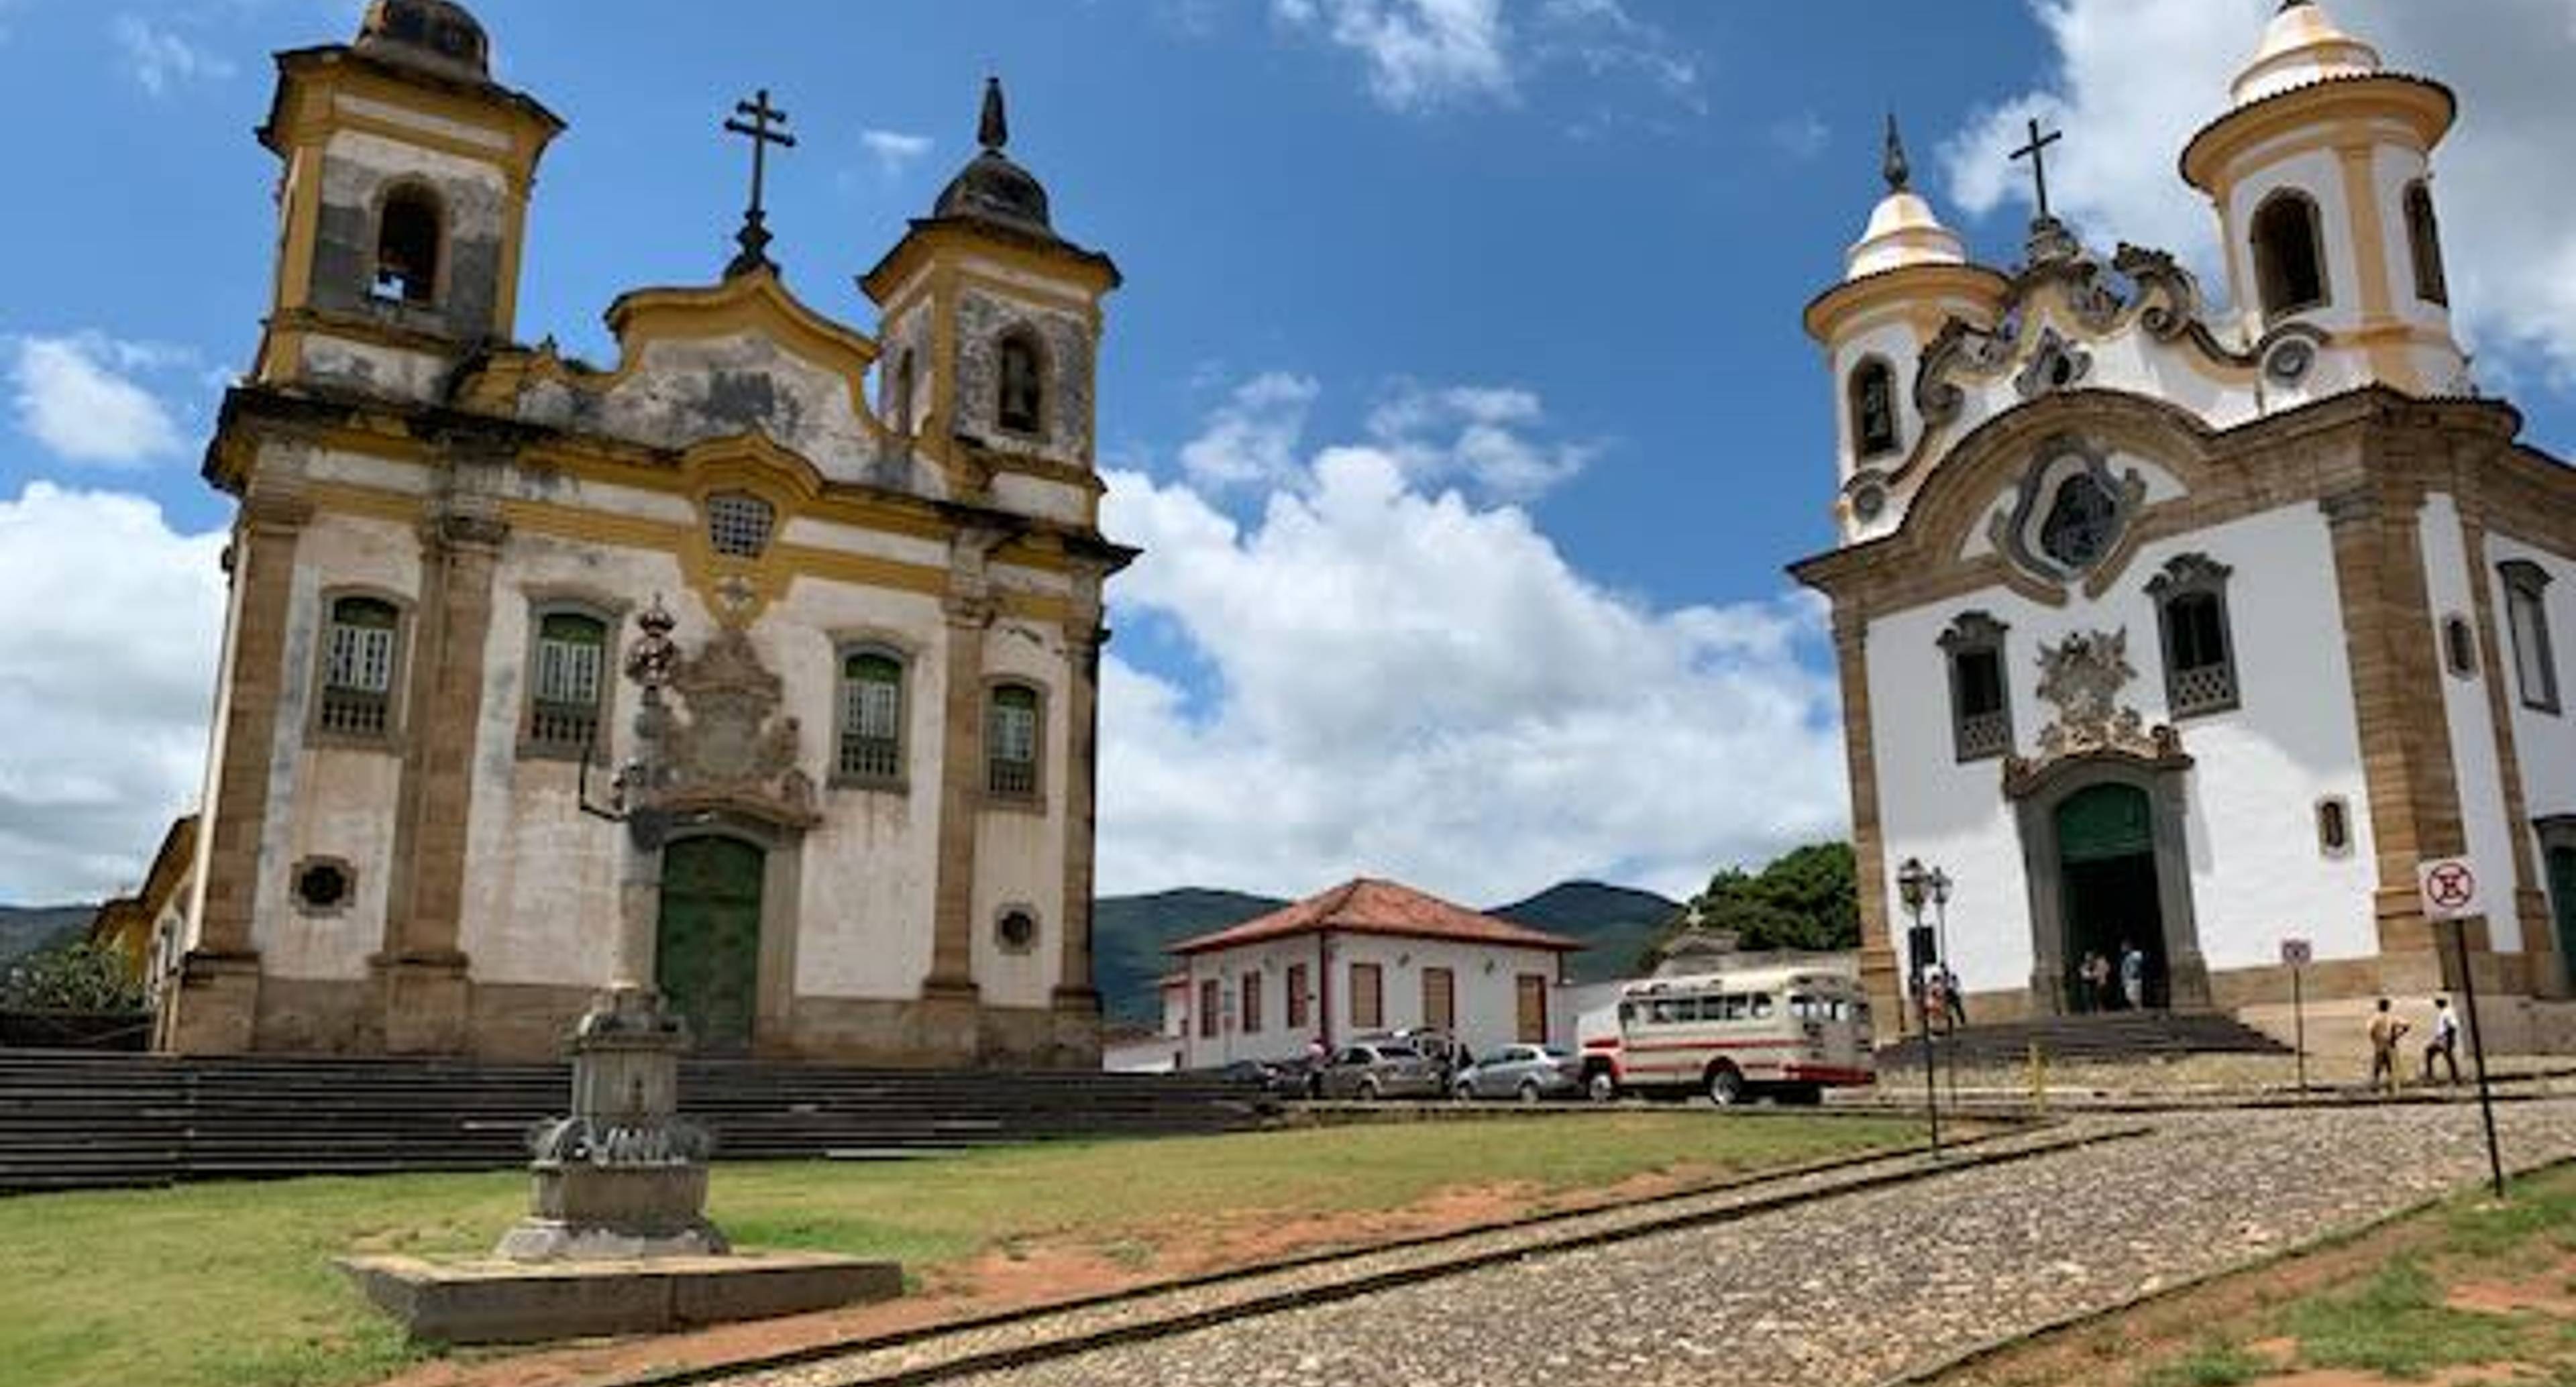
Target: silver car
[[1370, 1070], [1526, 1072]]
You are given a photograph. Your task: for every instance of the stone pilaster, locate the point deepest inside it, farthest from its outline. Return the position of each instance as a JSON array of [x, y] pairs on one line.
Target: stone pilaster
[[1077, 999], [2405, 740], [970, 610], [2547, 976], [216, 1008], [421, 972], [1878, 966]]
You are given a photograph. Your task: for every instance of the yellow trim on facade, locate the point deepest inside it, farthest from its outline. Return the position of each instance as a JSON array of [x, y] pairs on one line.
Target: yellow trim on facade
[[2340, 112]]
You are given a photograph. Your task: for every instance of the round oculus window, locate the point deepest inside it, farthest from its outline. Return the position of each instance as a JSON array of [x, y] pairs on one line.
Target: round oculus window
[[322, 885], [1017, 929]]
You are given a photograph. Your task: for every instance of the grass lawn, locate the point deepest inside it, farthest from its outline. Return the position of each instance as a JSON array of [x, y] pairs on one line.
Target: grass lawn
[[2473, 1290], [232, 1284]]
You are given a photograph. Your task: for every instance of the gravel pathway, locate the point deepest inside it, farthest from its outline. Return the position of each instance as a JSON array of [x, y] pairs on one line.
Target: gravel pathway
[[1853, 1289]]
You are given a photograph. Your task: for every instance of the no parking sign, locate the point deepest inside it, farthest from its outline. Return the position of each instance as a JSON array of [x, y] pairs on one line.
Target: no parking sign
[[2449, 886]]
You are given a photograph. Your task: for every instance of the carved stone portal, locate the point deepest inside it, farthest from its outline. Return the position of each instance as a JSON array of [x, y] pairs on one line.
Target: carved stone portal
[[2083, 676], [734, 749]]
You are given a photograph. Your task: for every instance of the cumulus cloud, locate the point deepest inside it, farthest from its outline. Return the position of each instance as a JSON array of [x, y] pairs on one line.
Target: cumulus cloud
[[1393, 679], [106, 671], [894, 150], [158, 59], [1424, 54], [78, 396], [2133, 79], [1477, 433], [1252, 438]]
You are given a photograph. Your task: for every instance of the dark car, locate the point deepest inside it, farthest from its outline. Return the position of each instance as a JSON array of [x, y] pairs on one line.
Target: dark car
[[1265, 1075]]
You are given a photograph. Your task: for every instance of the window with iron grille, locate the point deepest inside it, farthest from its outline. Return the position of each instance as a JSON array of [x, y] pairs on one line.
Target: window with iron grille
[[738, 524], [1980, 702], [871, 717], [2526, 607], [564, 692], [1011, 742], [2200, 655], [358, 667]]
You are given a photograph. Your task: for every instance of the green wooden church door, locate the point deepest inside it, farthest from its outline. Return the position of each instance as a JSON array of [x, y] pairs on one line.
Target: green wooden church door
[[707, 949]]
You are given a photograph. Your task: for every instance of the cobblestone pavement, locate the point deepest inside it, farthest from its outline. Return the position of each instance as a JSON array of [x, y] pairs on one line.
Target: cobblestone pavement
[[1859, 1287]]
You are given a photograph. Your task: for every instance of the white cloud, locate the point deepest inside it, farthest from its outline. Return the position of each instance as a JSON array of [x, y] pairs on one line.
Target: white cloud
[[78, 397], [106, 670], [159, 59], [1410, 683], [1426, 54], [1477, 433], [894, 150], [1252, 438], [1803, 136], [2134, 79]]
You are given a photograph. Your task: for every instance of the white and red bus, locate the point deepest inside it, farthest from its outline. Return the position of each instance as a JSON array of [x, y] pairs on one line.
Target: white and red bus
[[1790, 1033]]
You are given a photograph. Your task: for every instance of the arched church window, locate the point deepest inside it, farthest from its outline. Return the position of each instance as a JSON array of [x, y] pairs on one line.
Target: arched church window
[[1020, 406], [1011, 742], [2083, 518], [1980, 700], [871, 717], [2424, 240], [2289, 254], [360, 654], [407, 237], [2200, 654], [2526, 606], [2459, 646], [1873, 409], [566, 677]]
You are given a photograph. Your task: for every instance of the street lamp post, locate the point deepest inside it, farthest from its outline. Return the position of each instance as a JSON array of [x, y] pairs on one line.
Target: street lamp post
[[1912, 884]]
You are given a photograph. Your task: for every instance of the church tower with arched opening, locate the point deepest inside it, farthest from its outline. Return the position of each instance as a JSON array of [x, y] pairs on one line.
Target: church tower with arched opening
[[2172, 630]]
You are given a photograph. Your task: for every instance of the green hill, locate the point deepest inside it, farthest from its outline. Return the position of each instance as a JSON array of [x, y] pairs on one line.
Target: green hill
[[26, 929], [1130, 933], [1616, 921]]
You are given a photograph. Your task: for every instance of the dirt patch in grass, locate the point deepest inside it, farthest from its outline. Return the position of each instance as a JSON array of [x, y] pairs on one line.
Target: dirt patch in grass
[[2471, 1292]]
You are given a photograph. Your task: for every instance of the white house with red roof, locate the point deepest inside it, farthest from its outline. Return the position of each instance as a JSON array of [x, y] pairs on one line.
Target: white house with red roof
[[1364, 956]]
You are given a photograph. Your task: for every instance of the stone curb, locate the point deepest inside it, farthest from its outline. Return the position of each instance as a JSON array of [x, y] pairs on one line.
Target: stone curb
[[1911, 1165], [1921, 1374]]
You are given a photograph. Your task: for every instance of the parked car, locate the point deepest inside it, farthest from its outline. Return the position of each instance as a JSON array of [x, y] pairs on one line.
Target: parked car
[[1526, 1072], [1441, 1048], [1373, 1069], [1268, 1076]]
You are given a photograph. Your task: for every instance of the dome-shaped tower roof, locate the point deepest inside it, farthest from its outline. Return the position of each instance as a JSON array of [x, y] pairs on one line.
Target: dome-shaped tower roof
[[991, 187], [2301, 45], [1902, 228], [437, 35]]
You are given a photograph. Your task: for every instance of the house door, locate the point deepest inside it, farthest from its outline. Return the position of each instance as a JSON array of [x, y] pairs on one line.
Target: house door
[[1530, 1008], [2562, 906], [707, 948], [2107, 862]]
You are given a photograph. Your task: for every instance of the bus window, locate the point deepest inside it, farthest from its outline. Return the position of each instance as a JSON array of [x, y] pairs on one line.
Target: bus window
[[1627, 1013], [1665, 1013], [1761, 1006]]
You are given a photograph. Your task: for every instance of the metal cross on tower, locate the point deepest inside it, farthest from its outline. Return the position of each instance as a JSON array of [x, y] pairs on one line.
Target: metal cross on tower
[[2037, 153], [766, 127]]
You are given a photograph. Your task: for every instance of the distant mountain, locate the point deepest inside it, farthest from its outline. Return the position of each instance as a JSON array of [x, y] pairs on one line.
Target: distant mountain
[[1130, 933], [1616, 921], [25, 929]]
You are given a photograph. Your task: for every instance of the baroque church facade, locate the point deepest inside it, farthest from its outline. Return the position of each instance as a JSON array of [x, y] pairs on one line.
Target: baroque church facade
[[2194, 628], [759, 665]]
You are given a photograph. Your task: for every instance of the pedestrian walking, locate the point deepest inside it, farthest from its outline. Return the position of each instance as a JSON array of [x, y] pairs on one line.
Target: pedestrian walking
[[2133, 976], [1954, 1006], [2445, 1044], [2385, 1031], [2096, 974]]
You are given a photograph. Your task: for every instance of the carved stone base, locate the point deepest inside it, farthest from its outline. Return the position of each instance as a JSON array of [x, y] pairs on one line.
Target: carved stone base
[[215, 1008]]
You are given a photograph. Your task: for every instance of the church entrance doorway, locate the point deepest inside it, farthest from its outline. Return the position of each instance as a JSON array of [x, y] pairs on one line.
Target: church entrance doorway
[[2562, 907], [2109, 900], [707, 947]]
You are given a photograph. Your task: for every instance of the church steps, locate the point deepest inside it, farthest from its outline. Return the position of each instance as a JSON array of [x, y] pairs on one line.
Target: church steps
[[75, 1120], [2120, 1036]]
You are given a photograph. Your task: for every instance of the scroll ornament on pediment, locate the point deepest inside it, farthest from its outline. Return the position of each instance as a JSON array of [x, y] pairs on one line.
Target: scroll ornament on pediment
[[2082, 676]]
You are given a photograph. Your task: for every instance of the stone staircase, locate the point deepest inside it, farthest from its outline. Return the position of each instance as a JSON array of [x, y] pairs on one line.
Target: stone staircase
[[78, 1120], [2119, 1035]]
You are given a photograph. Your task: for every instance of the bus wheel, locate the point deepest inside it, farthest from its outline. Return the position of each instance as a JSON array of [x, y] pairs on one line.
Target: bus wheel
[[1600, 1087], [1725, 1086]]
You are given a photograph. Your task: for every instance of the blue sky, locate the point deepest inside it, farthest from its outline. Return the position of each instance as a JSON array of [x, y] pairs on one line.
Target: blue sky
[[1429, 301]]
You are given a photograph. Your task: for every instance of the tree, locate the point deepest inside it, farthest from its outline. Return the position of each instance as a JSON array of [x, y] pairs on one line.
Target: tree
[[79, 976], [1804, 899]]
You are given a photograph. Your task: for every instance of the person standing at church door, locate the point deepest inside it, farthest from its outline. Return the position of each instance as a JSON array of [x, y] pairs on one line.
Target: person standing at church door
[[2445, 1044], [2133, 976], [2385, 1031]]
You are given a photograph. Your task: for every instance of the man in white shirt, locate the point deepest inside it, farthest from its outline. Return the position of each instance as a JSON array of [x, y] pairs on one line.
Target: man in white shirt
[[2445, 1043]]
